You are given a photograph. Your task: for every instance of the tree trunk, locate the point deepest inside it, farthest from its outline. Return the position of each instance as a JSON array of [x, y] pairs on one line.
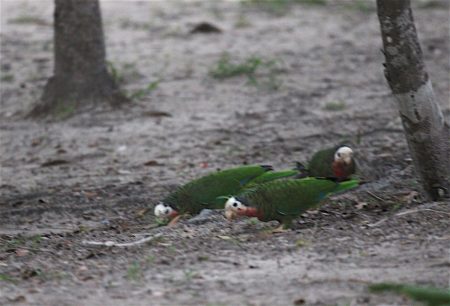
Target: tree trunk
[[81, 78], [426, 131]]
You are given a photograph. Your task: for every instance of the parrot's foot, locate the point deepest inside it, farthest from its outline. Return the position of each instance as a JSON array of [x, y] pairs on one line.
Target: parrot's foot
[[174, 221], [142, 212], [280, 229]]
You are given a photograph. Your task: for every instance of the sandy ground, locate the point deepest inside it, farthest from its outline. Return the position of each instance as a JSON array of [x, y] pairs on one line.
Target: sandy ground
[[87, 178]]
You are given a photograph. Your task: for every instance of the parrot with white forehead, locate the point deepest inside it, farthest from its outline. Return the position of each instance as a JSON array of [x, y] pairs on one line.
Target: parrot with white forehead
[[209, 192], [337, 162], [284, 200]]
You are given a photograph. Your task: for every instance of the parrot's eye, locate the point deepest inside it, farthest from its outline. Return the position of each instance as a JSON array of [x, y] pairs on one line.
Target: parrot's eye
[[167, 211], [339, 155], [235, 204]]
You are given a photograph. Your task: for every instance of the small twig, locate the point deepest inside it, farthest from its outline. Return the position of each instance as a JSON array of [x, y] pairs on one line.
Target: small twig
[[121, 245], [36, 250], [442, 238], [407, 212], [378, 223], [375, 196], [412, 211]]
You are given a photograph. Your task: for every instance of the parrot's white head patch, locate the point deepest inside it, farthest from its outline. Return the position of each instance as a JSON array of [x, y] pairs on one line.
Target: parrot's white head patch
[[163, 210], [234, 205], [343, 154]]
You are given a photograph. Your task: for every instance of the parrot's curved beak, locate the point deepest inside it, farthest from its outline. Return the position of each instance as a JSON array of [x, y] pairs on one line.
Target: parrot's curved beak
[[344, 160], [344, 155], [348, 160]]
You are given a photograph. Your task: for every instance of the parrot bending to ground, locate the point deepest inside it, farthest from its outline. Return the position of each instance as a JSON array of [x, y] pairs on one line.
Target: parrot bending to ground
[[284, 200], [429, 296], [207, 191], [335, 162]]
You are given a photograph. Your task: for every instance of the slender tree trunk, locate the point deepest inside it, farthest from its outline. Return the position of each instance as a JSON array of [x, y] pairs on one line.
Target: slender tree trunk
[[81, 78], [426, 131]]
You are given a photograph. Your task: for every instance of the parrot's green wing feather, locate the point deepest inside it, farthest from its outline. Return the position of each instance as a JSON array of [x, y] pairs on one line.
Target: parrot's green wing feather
[[283, 212], [296, 196], [320, 163], [263, 178], [272, 176], [203, 192]]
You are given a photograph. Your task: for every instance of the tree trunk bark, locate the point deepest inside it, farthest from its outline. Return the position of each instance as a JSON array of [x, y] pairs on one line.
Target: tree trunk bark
[[426, 131], [81, 78]]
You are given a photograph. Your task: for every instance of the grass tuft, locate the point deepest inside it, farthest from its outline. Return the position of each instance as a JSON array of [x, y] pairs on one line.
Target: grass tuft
[[335, 106], [6, 278], [21, 241], [300, 243], [242, 21], [64, 110], [28, 19], [189, 275], [280, 7], [259, 72], [363, 6], [114, 72], [134, 272], [141, 93], [7, 78], [432, 4], [226, 68]]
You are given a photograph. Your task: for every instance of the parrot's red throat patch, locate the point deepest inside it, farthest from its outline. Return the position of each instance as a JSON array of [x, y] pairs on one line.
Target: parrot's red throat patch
[[173, 214], [251, 212], [339, 169]]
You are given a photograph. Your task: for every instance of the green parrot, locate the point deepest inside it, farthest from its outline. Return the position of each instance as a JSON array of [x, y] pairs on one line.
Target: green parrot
[[272, 176], [429, 296], [284, 200], [206, 192], [336, 162]]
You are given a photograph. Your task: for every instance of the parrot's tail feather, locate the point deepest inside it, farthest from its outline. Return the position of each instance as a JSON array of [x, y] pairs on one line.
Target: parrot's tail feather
[[300, 176], [267, 167], [300, 167]]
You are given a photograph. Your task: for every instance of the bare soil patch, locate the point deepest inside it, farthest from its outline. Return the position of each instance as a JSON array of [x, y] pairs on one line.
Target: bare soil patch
[[88, 177]]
